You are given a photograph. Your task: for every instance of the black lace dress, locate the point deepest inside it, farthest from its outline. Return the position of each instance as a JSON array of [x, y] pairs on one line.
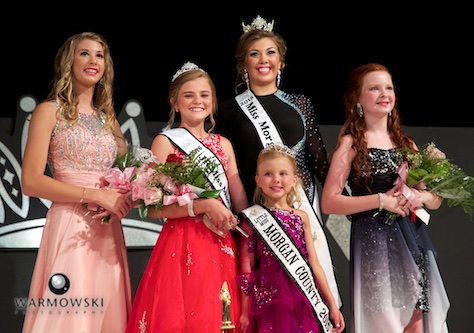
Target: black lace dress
[[393, 263]]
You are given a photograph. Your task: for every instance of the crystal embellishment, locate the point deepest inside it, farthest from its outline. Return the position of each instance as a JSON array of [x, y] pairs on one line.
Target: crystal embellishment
[[258, 23], [281, 148], [188, 66]]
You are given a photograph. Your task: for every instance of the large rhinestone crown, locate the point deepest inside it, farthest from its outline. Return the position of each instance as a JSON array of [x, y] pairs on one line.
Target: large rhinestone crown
[[188, 66], [258, 24]]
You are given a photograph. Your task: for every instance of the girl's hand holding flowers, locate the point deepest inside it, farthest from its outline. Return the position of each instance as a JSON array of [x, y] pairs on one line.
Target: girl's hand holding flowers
[[179, 180], [430, 170]]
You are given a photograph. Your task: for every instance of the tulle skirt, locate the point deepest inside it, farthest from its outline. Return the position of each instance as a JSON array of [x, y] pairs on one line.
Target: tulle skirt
[[180, 288], [394, 272], [81, 280]]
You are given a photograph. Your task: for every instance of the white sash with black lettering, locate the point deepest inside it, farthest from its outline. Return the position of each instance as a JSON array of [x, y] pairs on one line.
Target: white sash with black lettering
[[290, 257], [265, 127], [187, 142], [268, 133]]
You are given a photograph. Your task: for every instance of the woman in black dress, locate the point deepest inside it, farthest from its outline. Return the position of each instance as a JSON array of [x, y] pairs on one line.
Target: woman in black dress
[[261, 114]]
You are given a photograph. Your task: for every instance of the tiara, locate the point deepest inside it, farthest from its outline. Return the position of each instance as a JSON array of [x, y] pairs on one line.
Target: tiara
[[258, 24], [188, 66], [281, 148]]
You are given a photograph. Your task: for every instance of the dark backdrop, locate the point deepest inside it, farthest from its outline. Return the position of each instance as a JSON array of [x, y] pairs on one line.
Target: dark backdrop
[[426, 48]]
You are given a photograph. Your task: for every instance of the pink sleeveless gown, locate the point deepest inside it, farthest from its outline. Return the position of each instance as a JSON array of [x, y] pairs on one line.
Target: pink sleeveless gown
[[81, 280]]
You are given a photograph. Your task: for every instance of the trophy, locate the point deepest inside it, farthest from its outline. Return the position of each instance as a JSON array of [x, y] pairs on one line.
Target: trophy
[[227, 326]]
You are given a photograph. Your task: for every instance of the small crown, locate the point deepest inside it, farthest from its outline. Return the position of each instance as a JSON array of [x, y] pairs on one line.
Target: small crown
[[188, 66], [281, 148], [258, 24]]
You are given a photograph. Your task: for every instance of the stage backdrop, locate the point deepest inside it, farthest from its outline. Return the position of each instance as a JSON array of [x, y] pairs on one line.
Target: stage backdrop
[[22, 218]]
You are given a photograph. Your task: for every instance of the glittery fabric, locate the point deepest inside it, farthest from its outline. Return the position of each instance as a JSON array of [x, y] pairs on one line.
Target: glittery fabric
[[92, 256], [83, 146], [393, 266], [276, 304], [180, 287], [295, 118]]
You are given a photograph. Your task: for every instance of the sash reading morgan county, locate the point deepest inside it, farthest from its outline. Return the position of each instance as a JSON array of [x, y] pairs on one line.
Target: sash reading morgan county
[[187, 142], [268, 134], [290, 257]]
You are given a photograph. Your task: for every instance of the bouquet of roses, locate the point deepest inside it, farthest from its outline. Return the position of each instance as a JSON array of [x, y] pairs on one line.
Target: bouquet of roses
[[177, 180], [430, 169], [153, 185], [122, 175]]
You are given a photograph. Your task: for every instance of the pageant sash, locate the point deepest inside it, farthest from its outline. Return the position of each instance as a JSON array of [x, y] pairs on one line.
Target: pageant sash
[[290, 257], [268, 134], [187, 142]]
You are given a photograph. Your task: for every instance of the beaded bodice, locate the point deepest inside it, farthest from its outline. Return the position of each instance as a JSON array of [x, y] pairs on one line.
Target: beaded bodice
[[384, 165], [82, 146]]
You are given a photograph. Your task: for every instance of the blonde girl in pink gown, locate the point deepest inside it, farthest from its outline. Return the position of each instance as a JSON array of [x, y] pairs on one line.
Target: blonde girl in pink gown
[[80, 282]]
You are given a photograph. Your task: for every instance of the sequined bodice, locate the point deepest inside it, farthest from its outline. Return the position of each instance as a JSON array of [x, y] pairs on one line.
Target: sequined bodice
[[212, 142], [384, 171], [82, 146]]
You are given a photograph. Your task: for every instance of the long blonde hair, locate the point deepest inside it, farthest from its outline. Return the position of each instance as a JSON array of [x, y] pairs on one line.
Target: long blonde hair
[[62, 85]]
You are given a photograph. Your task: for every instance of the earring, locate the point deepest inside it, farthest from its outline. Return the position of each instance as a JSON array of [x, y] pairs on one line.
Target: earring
[[101, 81], [246, 78], [390, 114], [359, 110], [278, 78]]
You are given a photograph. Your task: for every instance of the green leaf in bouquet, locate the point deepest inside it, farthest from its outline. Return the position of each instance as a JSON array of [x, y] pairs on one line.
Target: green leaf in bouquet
[[210, 194]]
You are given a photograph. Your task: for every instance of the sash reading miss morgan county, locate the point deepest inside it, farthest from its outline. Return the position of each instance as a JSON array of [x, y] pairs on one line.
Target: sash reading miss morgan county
[[290, 257], [268, 134]]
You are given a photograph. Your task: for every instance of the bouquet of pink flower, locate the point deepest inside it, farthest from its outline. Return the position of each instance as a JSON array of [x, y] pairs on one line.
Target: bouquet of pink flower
[[153, 185], [430, 169]]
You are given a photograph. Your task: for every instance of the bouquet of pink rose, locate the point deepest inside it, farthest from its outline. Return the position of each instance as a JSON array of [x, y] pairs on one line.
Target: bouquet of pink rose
[[153, 185], [430, 169]]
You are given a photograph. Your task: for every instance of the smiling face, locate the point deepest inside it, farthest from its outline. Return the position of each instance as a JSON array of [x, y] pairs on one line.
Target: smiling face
[[263, 62], [276, 176], [89, 63], [377, 95], [194, 100]]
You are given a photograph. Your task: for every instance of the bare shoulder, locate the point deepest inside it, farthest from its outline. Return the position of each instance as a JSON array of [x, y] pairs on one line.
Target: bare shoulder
[[45, 115], [303, 214], [46, 107], [224, 140], [346, 141], [161, 147], [344, 147], [226, 144]]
